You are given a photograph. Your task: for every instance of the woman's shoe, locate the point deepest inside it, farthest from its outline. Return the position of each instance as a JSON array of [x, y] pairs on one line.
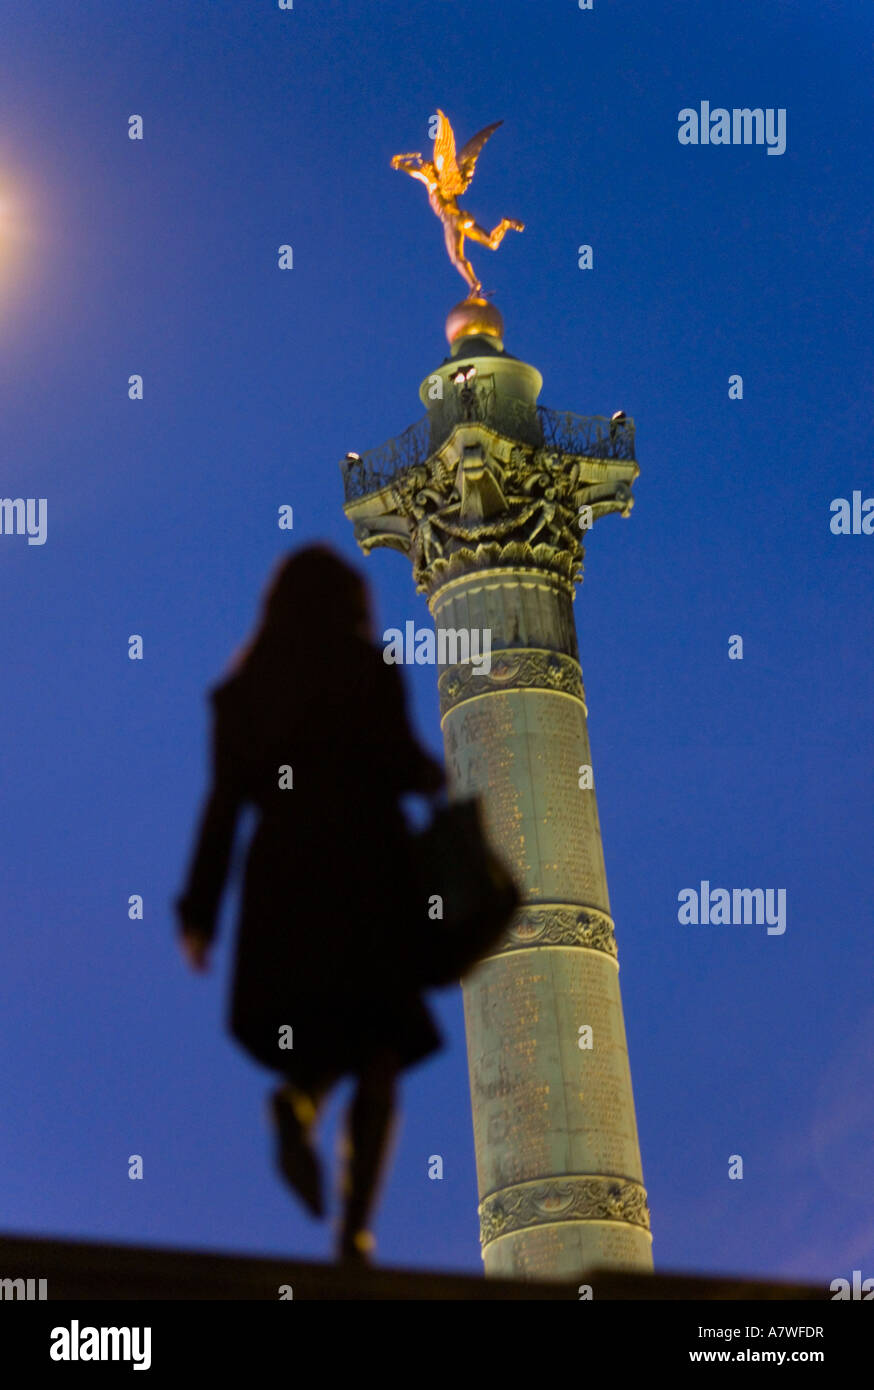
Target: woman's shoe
[[356, 1249], [297, 1160]]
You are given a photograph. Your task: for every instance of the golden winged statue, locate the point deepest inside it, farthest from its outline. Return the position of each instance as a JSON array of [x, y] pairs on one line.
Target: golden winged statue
[[445, 178]]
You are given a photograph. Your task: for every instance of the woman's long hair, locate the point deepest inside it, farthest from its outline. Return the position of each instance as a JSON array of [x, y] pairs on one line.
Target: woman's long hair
[[314, 600]]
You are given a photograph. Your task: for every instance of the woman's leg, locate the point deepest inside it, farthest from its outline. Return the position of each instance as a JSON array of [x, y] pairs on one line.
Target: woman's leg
[[295, 1109], [307, 1099], [368, 1134]]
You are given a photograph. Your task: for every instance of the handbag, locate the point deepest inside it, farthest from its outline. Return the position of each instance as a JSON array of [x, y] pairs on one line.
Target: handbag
[[454, 862]]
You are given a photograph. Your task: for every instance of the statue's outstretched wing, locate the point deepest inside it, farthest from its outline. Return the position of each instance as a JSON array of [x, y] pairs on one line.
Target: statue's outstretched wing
[[470, 153], [448, 172]]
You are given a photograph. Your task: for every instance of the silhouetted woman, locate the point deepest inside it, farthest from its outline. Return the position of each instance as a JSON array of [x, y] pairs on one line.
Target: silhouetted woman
[[311, 728]]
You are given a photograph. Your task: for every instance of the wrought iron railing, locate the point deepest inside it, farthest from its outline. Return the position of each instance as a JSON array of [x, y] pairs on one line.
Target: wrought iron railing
[[366, 473], [592, 436]]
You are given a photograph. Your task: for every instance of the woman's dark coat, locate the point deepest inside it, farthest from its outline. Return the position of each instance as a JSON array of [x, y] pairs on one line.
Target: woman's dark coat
[[328, 902]]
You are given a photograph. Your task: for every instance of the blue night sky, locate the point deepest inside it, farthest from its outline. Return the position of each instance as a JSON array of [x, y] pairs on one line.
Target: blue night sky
[[159, 257]]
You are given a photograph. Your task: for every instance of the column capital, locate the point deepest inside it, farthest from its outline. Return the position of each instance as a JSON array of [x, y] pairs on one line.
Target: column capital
[[488, 481]]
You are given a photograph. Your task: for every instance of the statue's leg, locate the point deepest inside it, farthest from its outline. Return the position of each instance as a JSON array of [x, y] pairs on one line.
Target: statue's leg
[[478, 233], [494, 238], [505, 225], [455, 249]]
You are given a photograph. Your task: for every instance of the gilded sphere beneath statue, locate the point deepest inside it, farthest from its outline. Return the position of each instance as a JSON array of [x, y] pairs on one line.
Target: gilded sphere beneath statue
[[474, 317]]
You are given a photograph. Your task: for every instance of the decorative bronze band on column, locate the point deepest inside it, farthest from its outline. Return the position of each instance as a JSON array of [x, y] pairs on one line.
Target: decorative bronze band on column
[[501, 574], [517, 668], [559, 924], [555, 1200]]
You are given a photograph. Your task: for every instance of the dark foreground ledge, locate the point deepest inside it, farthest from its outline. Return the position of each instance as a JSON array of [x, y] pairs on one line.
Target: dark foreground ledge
[[86, 1270]]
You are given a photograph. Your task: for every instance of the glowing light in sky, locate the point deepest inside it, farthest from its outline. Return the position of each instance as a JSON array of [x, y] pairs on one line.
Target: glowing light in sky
[[16, 240]]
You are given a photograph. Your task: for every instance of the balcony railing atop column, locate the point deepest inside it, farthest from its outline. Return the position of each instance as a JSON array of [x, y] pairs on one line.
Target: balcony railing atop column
[[561, 431]]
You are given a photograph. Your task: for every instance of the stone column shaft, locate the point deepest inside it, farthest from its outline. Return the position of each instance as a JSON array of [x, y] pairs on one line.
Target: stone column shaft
[[558, 1161]]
